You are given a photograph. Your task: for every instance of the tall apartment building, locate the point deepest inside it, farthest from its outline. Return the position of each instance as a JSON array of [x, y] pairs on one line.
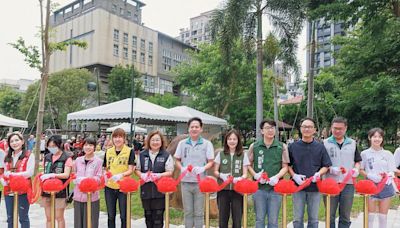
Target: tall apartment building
[[115, 34], [324, 32], [199, 30]]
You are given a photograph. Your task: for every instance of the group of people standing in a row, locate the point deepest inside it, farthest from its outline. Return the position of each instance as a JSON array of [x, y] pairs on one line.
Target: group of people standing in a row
[[306, 158], [302, 159]]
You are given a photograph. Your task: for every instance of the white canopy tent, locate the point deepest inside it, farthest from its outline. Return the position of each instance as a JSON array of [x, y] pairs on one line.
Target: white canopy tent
[[127, 128], [144, 113], [206, 118], [11, 122], [212, 126]]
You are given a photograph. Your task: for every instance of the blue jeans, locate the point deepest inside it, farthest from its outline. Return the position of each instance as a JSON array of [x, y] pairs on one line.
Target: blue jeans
[[300, 199], [267, 202], [345, 201], [23, 210]]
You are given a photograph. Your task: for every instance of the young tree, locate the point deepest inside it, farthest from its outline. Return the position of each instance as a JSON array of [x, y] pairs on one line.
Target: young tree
[[42, 63]]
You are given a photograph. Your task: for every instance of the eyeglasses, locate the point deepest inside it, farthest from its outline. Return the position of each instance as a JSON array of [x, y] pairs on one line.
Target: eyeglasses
[[307, 127]]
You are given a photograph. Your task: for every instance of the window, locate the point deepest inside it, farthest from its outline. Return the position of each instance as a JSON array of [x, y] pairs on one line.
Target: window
[[135, 17], [125, 38], [67, 10], [148, 81], [116, 34], [142, 45], [134, 55], [166, 60], [129, 14], [76, 6], [115, 50], [150, 47], [86, 2], [121, 11], [114, 8], [150, 60], [134, 42], [125, 53], [142, 57], [166, 85]]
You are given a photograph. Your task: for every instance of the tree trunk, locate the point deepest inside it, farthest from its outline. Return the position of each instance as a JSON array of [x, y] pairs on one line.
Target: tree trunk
[[396, 8], [44, 78], [259, 79], [310, 81]]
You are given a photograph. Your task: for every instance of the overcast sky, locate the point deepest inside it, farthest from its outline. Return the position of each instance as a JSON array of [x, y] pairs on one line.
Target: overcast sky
[[20, 18]]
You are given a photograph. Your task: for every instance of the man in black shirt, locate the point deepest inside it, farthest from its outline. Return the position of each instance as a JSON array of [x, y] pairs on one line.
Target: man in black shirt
[[308, 158]]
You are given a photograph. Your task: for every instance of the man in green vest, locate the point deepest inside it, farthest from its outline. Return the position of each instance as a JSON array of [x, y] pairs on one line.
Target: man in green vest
[[270, 156]]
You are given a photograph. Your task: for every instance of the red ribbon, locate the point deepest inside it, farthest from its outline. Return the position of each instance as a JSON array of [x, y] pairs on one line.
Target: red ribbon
[[330, 187], [55, 184], [368, 187]]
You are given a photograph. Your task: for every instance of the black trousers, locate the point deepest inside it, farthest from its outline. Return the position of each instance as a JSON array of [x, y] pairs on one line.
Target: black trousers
[[229, 202], [154, 212], [112, 195]]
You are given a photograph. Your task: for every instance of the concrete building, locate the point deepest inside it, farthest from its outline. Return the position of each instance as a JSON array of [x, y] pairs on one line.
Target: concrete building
[[20, 85], [324, 32], [115, 34], [199, 30]]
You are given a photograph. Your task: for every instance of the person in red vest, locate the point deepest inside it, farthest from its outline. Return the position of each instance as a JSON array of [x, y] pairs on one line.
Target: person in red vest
[[19, 162]]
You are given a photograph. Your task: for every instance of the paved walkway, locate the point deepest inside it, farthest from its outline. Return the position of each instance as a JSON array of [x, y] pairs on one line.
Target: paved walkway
[[38, 220], [393, 220]]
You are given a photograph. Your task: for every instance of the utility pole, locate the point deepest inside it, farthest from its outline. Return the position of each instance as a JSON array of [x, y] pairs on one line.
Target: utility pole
[[275, 91], [132, 103]]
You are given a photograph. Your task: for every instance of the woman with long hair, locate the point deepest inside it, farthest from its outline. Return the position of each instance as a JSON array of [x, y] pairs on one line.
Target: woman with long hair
[[57, 164], [153, 163], [87, 166], [18, 162], [232, 161], [377, 161]]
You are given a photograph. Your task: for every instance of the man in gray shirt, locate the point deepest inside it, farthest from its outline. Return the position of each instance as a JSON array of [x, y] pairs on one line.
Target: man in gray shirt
[[198, 152], [343, 152]]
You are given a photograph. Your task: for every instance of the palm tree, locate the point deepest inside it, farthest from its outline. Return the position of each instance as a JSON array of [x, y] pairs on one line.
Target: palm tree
[[243, 19]]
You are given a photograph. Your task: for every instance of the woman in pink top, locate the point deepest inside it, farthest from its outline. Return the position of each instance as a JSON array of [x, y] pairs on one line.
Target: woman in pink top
[[85, 167]]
